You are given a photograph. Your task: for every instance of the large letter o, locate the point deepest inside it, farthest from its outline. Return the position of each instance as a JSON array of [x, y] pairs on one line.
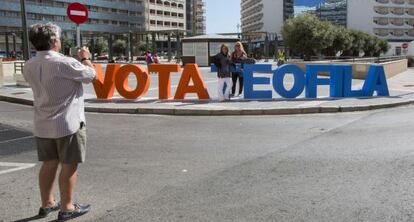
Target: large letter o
[[298, 84], [121, 81]]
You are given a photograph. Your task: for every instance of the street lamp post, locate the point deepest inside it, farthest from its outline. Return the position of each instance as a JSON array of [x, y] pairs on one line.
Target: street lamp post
[[25, 40], [14, 44], [7, 44]]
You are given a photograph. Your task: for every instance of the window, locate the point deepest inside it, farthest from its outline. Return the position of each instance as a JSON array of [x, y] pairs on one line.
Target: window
[[60, 18]]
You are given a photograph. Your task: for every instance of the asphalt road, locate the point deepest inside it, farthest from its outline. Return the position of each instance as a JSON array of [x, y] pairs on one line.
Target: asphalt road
[[325, 167]]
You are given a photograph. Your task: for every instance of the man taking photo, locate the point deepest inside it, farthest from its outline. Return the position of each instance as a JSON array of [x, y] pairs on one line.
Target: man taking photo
[[59, 118]]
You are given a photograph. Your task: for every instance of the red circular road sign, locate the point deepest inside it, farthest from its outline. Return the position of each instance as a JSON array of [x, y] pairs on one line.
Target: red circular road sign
[[405, 45], [77, 13]]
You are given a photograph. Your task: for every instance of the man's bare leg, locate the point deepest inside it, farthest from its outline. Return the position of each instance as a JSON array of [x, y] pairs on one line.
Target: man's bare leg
[[47, 175], [67, 182]]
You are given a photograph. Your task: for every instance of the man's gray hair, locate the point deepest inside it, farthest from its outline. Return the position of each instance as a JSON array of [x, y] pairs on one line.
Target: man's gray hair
[[42, 36]]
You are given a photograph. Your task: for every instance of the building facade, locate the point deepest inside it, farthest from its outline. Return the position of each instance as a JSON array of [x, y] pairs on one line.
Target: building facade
[[166, 19], [196, 19], [392, 20], [105, 17], [334, 11], [265, 15], [167, 15]]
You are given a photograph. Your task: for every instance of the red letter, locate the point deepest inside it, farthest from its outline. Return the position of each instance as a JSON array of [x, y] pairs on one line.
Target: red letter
[[164, 80], [104, 87], [121, 81], [191, 72]]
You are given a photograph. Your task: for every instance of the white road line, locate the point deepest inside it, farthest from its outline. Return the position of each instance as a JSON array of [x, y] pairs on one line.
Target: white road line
[[20, 138], [16, 167]]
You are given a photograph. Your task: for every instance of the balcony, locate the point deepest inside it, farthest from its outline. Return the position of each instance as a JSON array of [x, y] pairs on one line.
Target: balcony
[[398, 2], [409, 22], [397, 11], [381, 10], [381, 32], [381, 21], [397, 22], [409, 11], [410, 33], [397, 32], [383, 1]]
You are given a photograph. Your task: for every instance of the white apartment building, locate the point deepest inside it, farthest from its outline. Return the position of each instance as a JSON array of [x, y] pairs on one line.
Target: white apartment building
[[392, 20], [265, 15], [166, 15]]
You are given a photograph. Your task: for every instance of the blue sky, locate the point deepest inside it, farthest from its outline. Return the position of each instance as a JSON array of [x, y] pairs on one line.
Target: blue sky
[[224, 15]]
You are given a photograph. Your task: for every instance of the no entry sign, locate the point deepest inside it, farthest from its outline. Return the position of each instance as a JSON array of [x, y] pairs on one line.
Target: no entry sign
[[77, 13], [405, 45]]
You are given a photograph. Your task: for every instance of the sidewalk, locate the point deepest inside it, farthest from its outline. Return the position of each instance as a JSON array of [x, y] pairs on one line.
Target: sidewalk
[[401, 93]]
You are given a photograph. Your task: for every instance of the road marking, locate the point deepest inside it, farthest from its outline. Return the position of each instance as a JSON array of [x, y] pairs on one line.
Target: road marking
[[20, 138], [16, 167]]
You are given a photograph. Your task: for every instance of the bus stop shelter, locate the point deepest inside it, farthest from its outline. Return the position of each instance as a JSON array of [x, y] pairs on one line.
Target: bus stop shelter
[[201, 49]]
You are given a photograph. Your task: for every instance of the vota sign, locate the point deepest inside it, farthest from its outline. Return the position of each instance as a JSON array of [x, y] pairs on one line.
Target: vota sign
[[339, 81]]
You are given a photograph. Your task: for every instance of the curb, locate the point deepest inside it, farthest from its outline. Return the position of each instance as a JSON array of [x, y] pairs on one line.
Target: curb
[[226, 112]]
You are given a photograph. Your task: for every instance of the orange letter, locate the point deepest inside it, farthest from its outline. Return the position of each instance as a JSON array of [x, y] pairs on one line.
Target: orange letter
[[104, 87], [164, 80], [191, 72], [121, 81]]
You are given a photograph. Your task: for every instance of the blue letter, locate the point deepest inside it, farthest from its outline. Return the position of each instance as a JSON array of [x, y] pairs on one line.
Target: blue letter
[[376, 81], [348, 92], [336, 85], [312, 80], [250, 81], [298, 84]]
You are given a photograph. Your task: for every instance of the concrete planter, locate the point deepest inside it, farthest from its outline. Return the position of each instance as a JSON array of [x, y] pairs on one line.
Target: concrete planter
[[6, 71]]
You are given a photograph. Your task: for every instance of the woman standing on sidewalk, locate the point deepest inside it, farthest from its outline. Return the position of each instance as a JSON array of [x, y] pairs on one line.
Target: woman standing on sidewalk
[[222, 60], [238, 57]]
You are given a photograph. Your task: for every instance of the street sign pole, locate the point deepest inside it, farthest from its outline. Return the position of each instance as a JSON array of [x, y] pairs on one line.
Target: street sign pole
[[78, 40], [25, 40]]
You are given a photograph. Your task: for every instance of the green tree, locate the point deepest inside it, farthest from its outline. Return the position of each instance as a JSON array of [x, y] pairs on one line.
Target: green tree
[[341, 43], [119, 47], [371, 46], [99, 46], [67, 44], [357, 42], [307, 35], [384, 47]]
